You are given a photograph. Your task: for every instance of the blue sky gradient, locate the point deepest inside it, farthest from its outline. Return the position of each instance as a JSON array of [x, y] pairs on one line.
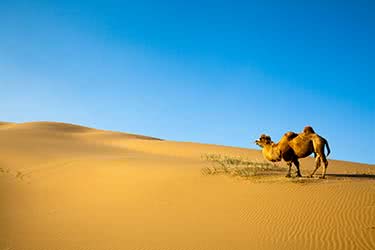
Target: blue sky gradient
[[219, 72]]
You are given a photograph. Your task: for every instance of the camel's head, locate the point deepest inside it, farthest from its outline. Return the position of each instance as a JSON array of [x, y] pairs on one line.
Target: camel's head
[[263, 140]]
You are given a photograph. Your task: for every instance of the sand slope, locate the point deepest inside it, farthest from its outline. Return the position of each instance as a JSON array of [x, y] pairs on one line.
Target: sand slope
[[64, 186]]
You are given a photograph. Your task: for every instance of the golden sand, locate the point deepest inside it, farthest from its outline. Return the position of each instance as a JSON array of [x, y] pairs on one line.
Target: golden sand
[[64, 186]]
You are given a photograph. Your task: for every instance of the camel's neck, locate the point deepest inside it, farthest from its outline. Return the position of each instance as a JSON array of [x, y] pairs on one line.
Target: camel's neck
[[271, 152]]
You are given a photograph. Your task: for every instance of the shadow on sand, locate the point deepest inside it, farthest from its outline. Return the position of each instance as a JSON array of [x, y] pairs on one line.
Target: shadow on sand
[[366, 176]]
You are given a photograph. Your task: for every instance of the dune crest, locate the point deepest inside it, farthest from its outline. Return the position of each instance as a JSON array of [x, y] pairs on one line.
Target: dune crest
[[60, 128]]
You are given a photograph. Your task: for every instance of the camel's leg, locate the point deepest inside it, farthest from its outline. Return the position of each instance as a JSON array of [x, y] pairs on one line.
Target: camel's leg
[[317, 165], [296, 163], [325, 162], [289, 163]]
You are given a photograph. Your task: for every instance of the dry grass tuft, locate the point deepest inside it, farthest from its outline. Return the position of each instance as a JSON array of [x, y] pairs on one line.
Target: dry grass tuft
[[238, 166]]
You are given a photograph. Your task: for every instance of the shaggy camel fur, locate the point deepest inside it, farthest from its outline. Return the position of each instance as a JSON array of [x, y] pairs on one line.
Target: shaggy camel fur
[[293, 146]]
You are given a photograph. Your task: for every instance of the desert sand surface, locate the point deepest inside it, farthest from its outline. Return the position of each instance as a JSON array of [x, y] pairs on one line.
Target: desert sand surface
[[64, 186]]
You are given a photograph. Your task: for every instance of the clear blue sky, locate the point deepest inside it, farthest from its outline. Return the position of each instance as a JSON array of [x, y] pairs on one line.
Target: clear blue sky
[[219, 72]]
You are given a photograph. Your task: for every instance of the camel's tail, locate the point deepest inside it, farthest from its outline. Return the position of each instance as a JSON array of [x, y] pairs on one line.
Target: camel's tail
[[328, 150]]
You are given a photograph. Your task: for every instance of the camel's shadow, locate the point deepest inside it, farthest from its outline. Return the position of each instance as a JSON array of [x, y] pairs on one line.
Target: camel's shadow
[[359, 176]]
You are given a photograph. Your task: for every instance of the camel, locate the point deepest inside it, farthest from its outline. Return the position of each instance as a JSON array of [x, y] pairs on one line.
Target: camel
[[293, 146]]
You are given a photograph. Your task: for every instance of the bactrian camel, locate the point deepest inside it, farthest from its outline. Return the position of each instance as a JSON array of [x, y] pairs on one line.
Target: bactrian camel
[[293, 146]]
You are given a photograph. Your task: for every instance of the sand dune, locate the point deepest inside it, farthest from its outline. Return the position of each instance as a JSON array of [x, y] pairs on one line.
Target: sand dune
[[64, 186]]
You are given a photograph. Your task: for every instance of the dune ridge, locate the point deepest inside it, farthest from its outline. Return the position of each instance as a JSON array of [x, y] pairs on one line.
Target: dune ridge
[[65, 186]]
